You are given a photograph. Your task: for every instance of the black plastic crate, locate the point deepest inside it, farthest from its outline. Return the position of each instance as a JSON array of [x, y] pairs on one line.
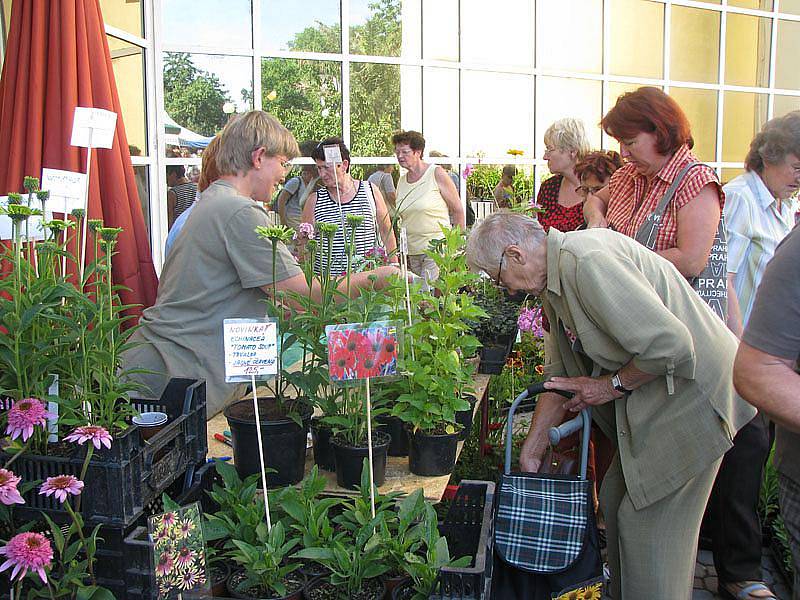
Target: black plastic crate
[[120, 482], [468, 528]]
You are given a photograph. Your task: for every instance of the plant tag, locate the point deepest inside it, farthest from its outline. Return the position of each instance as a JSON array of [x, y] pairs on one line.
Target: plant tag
[[363, 350], [52, 407], [333, 154], [179, 552], [66, 188], [251, 349], [93, 127], [403, 241]]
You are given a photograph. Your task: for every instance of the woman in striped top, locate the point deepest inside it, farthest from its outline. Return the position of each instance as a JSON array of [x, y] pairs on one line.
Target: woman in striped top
[[353, 197]]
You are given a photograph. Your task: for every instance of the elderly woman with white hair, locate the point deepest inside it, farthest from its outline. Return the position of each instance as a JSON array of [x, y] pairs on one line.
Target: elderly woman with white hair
[[565, 143], [630, 338]]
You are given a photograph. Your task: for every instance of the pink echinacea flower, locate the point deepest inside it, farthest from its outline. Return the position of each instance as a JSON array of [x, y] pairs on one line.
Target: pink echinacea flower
[[8, 488], [61, 486], [27, 551], [24, 415], [94, 433]]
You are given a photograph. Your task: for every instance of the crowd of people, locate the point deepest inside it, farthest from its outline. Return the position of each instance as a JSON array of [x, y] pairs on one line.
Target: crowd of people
[[620, 257]]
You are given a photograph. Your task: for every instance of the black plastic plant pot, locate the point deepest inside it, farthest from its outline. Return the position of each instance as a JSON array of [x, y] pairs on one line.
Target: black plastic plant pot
[[464, 417], [283, 441], [432, 455], [322, 589], [395, 427], [403, 590], [493, 359], [321, 440], [350, 460]]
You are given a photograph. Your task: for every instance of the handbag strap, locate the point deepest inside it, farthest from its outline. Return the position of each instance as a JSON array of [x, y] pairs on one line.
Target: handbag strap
[[658, 213]]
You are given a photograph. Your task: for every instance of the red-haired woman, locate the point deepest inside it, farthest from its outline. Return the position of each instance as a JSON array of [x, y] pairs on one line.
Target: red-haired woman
[[656, 142]]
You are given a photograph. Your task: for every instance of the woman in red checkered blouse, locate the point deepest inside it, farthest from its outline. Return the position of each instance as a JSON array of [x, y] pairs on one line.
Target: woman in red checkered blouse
[[656, 142]]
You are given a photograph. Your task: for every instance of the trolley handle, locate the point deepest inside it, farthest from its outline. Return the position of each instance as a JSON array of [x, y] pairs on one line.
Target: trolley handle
[[533, 390]]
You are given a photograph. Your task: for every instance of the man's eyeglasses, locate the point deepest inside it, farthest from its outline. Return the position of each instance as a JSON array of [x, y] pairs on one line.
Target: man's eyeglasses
[[497, 281]]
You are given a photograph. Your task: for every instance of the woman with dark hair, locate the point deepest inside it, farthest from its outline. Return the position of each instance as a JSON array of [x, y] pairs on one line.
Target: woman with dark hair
[[594, 171]]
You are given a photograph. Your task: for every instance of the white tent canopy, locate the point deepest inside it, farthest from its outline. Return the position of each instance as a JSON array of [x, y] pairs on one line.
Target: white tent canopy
[[180, 136]]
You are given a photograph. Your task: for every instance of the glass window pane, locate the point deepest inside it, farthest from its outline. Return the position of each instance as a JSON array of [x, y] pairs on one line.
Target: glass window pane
[[507, 128], [374, 108], [790, 6], [128, 62], [755, 4], [747, 50], [582, 49], [307, 96], [744, 115], [613, 90], [700, 107], [694, 45], [207, 23], [376, 27], [140, 173], [123, 14], [729, 174], [315, 28], [440, 30], [787, 75], [484, 178], [637, 38], [500, 35], [440, 119], [558, 97], [197, 86], [785, 104]]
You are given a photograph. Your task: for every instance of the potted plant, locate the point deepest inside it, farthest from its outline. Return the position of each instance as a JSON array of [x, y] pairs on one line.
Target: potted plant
[[285, 414], [266, 572], [436, 374]]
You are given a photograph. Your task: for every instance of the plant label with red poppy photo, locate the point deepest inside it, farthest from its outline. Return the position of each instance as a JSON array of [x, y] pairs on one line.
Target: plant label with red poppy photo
[[251, 349], [179, 552], [363, 350]]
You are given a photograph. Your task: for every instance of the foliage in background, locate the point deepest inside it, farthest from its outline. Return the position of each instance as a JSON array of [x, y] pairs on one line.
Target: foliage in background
[[193, 97]]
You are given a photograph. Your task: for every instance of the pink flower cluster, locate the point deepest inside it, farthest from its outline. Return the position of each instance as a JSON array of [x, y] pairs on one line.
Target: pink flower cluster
[[25, 552], [305, 230], [467, 171], [24, 415], [93, 433], [530, 319]]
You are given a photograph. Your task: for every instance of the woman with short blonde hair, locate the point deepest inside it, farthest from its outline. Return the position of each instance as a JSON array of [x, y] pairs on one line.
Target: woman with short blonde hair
[[565, 144]]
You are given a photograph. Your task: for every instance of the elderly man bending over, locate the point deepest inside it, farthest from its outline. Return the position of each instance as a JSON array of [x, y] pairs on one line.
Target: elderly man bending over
[[629, 337]]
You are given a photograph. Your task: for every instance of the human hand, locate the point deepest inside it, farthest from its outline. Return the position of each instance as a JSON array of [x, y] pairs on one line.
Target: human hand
[[530, 459], [588, 391]]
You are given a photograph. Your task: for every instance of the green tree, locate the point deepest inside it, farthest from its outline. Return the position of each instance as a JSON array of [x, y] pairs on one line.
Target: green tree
[[308, 93], [193, 97]]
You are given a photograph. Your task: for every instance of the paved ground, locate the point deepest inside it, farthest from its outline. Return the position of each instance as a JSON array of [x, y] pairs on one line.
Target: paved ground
[[705, 580]]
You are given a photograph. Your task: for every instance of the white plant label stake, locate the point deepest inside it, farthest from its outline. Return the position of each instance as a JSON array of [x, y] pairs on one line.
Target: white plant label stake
[[333, 155], [369, 452], [404, 270], [91, 128], [251, 351]]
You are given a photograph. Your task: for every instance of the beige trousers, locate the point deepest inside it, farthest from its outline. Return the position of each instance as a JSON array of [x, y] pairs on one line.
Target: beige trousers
[[652, 551]]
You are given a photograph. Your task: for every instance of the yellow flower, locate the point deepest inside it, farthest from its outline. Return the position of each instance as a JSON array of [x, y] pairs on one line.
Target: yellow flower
[[515, 152], [272, 95]]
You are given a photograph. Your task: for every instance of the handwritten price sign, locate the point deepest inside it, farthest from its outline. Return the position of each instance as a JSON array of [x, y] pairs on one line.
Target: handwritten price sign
[[251, 349]]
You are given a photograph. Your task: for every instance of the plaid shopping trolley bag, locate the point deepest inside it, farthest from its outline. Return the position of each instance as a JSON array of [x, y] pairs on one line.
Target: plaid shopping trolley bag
[[545, 536]]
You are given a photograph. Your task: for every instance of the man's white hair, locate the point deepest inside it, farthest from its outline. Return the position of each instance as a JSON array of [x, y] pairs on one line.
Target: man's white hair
[[491, 236]]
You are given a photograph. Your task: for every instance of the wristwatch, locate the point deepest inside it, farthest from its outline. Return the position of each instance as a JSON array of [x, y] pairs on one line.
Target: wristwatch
[[617, 384]]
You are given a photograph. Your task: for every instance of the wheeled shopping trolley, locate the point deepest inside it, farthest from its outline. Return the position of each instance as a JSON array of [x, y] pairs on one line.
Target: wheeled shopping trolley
[[545, 535]]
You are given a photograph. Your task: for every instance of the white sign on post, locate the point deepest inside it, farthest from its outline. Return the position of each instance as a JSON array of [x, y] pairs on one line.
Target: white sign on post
[[66, 189], [35, 230], [251, 349], [333, 154], [93, 127]]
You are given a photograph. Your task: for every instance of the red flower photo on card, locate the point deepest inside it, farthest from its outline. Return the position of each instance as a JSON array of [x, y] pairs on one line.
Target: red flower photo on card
[[362, 351]]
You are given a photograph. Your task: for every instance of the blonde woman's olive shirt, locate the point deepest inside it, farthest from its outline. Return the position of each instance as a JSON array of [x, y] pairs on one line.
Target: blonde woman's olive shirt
[[215, 271], [609, 301]]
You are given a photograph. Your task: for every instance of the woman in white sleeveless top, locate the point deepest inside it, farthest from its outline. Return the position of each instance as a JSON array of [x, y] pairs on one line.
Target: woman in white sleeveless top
[[353, 197], [427, 200]]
